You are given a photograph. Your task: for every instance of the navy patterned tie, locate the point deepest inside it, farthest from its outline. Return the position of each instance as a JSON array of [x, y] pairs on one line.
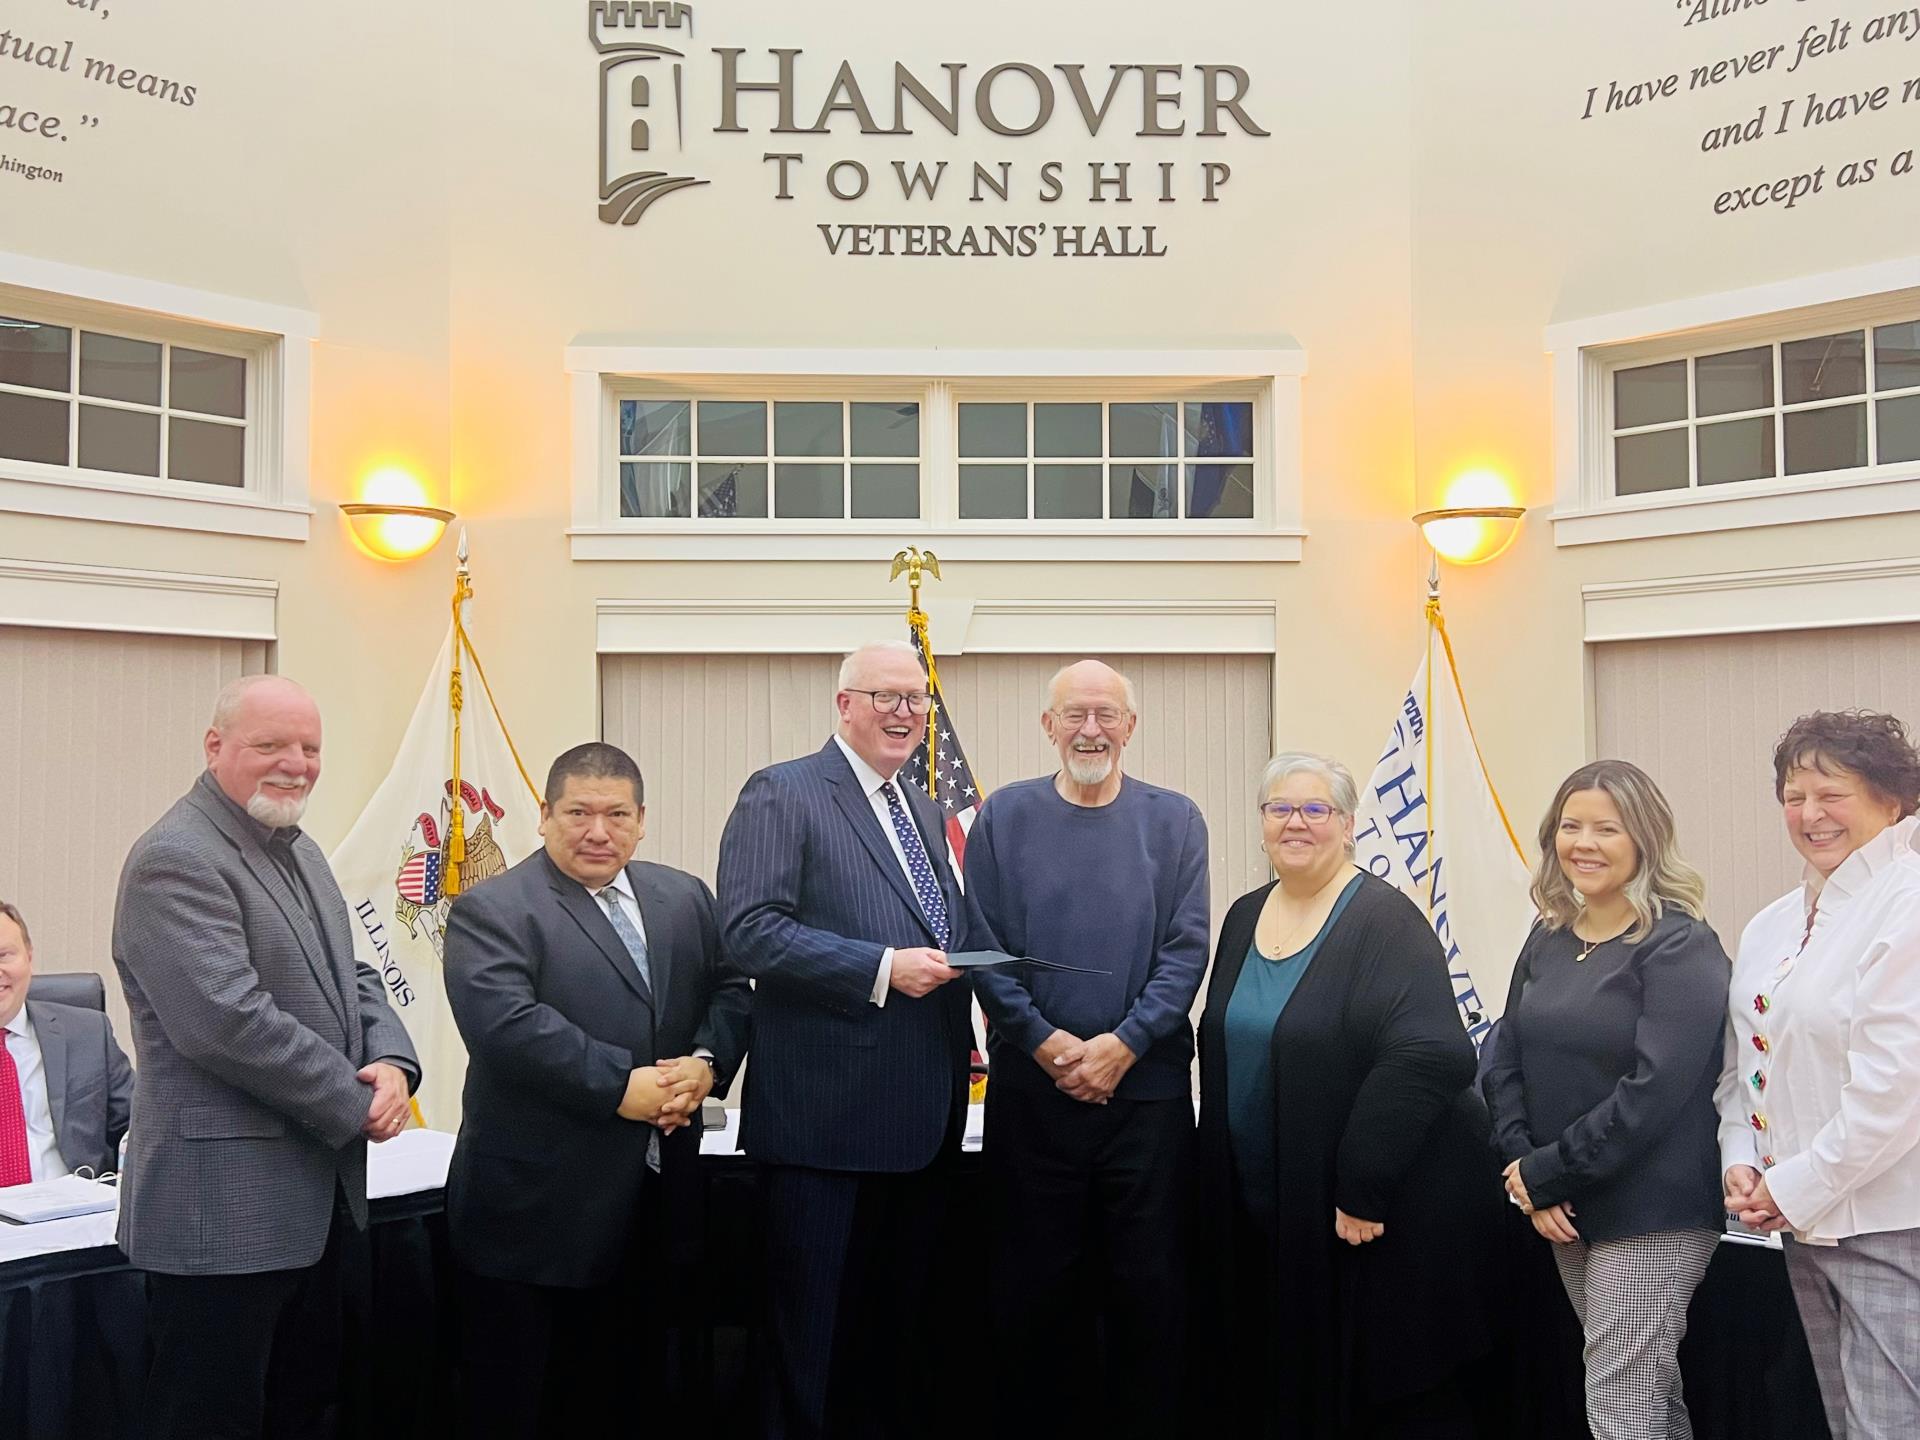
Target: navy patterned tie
[[932, 903]]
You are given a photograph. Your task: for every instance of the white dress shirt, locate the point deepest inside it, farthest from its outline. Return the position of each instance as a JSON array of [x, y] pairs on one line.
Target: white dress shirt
[[1821, 1083], [870, 782], [43, 1148]]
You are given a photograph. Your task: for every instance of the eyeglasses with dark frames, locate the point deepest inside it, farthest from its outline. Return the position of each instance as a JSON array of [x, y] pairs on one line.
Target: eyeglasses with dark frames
[[887, 702]]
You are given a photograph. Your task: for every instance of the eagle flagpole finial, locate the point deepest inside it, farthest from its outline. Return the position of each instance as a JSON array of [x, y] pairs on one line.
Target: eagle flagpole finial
[[914, 563]]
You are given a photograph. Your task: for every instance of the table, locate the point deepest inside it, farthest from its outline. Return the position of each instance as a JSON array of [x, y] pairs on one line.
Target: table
[[73, 1342]]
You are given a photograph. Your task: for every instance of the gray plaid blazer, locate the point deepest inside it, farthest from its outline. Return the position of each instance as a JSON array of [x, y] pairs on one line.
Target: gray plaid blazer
[[248, 1028]]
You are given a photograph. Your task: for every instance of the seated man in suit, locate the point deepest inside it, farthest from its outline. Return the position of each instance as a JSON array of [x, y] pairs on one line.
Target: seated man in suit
[[597, 1016], [837, 898], [66, 1089]]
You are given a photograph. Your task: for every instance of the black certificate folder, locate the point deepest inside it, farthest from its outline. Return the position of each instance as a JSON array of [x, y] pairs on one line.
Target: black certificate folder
[[980, 959]]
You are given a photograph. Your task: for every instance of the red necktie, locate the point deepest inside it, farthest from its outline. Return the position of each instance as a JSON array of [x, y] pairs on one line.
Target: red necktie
[[16, 1166]]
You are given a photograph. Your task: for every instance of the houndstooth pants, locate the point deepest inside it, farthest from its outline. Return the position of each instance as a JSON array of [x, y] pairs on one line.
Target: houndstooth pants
[[1859, 1303], [1631, 1296]]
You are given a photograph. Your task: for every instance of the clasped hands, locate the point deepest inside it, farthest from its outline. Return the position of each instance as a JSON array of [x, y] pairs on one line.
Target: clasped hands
[[1085, 1070], [667, 1093], [387, 1111], [1555, 1222], [1749, 1200]]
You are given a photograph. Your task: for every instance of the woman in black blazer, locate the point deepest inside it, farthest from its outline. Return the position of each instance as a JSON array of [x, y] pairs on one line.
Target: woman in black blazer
[[1346, 1222], [1602, 1088]]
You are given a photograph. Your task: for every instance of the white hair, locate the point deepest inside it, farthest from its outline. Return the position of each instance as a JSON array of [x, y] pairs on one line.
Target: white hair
[[226, 705], [850, 667], [1339, 779], [1126, 685]]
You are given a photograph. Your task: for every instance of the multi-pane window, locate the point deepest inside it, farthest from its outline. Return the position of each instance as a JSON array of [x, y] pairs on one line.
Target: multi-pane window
[[1106, 460], [781, 459], [1817, 405], [92, 400]]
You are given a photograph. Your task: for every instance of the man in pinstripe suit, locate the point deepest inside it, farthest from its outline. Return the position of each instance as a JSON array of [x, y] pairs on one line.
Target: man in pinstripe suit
[[836, 896]]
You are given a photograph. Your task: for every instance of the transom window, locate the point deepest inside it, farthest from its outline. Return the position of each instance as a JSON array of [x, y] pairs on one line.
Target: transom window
[[1106, 460], [1813, 406], [724, 459], [89, 399]]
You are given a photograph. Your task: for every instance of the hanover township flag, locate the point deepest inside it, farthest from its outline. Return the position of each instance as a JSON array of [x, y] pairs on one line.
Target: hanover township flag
[[1430, 823], [393, 865]]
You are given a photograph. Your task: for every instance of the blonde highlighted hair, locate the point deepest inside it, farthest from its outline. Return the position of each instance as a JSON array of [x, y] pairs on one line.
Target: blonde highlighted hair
[[1661, 881]]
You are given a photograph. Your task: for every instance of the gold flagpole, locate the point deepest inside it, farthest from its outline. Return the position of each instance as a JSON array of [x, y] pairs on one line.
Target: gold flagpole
[[457, 819], [917, 563]]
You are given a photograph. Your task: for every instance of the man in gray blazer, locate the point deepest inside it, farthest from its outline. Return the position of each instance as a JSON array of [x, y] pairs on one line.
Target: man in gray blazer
[[74, 1086], [268, 1059]]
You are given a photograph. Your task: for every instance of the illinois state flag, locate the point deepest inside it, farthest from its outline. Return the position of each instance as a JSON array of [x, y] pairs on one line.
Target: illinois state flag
[[393, 865], [1430, 823]]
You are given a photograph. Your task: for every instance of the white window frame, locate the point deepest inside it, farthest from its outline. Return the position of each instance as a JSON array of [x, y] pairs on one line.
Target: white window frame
[[1585, 353], [602, 375], [276, 342]]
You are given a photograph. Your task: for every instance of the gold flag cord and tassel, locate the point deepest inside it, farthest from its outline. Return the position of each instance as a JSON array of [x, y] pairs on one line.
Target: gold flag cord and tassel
[[1437, 623], [916, 564]]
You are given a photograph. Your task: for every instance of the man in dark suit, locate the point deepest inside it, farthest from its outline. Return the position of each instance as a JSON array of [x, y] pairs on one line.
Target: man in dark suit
[[65, 1086], [597, 1016], [836, 896], [268, 1059]]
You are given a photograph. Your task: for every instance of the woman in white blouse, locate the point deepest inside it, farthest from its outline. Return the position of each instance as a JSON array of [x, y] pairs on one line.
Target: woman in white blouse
[[1820, 1096]]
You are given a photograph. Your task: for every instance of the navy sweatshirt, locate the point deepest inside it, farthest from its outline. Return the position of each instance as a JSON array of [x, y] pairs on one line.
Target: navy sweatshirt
[[1120, 887]]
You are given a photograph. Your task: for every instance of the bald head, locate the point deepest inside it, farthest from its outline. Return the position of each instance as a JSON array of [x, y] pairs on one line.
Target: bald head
[[263, 747], [1090, 718]]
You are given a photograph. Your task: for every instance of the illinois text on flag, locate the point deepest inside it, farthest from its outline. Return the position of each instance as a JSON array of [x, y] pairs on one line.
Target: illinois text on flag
[[394, 865]]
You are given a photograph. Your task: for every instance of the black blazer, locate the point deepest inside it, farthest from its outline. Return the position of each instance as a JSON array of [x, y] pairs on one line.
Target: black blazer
[[89, 1083], [810, 896], [546, 1177]]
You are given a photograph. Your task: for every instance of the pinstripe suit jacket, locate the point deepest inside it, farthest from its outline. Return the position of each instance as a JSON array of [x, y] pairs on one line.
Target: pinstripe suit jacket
[[249, 1028], [810, 896]]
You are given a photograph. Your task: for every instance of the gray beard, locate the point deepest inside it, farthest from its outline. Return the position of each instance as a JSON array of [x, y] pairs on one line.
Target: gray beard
[[277, 814], [1089, 769]]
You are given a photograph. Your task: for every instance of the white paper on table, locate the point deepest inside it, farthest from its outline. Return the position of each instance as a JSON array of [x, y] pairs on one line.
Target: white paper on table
[[412, 1161], [60, 1199]]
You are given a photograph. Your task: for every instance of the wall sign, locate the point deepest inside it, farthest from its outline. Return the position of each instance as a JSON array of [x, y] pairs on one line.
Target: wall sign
[[664, 103]]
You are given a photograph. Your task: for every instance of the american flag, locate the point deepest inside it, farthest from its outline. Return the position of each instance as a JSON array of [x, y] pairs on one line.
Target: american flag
[[952, 785], [724, 499], [419, 879]]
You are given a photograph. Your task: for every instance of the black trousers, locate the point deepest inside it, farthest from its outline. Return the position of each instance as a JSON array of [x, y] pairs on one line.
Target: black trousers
[[237, 1357], [855, 1342], [550, 1360], [1089, 1236]]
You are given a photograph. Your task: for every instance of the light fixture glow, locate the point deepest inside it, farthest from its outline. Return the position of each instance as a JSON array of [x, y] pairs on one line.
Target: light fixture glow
[[392, 520], [1476, 521]]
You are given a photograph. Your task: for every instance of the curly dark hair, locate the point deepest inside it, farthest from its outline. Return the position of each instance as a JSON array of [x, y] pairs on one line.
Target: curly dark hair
[[1872, 745]]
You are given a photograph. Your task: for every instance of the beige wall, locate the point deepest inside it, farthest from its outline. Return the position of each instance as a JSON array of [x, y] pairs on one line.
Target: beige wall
[[1428, 202]]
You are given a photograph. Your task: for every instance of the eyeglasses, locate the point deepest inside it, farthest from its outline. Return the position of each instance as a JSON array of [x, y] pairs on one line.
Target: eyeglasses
[[919, 702], [1314, 812], [1106, 716]]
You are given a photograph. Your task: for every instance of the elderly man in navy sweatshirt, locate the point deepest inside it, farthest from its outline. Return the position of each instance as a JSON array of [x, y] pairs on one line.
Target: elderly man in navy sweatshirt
[[1089, 1126]]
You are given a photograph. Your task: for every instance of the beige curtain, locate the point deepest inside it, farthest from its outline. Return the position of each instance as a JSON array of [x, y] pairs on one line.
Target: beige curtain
[[99, 733]]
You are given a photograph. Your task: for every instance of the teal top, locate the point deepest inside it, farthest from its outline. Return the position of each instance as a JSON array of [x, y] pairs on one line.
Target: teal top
[[1259, 995]]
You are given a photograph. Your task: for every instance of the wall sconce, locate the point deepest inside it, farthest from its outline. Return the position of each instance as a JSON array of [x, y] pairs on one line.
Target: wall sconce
[[1476, 520], [393, 521]]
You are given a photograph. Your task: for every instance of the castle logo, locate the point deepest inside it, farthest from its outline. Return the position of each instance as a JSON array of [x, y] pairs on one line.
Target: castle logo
[[634, 73]]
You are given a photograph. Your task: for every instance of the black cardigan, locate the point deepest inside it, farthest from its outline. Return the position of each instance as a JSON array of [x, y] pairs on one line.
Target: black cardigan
[[1602, 1087], [1375, 1114]]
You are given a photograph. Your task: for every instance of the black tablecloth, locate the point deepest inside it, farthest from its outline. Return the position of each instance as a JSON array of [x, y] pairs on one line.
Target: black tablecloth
[[73, 1343]]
